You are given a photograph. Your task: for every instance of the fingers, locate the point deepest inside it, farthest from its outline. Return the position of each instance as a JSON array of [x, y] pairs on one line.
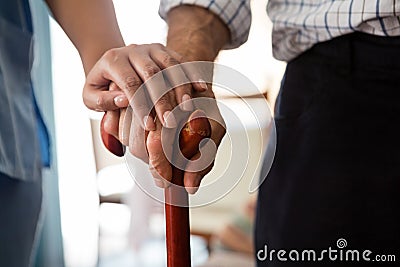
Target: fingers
[[141, 107], [148, 61], [163, 103], [192, 180], [203, 161], [159, 165], [192, 73], [125, 121], [128, 68], [115, 66], [132, 135], [136, 136], [199, 74], [118, 68], [103, 100], [96, 94], [199, 165], [111, 122], [176, 76], [156, 87]]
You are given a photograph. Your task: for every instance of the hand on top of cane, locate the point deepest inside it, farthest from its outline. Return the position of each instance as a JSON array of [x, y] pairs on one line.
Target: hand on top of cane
[[125, 70]]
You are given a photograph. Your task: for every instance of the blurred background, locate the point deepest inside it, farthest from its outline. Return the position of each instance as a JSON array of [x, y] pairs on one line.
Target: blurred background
[[132, 233]]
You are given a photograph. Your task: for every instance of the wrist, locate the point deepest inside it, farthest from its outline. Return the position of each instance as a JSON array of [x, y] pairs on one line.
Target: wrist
[[93, 51], [196, 33]]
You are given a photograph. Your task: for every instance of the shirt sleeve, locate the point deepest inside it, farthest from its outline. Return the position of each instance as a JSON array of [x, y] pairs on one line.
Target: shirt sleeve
[[235, 13]]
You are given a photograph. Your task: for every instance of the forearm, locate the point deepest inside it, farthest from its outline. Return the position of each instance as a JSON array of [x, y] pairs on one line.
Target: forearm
[[196, 33], [90, 24]]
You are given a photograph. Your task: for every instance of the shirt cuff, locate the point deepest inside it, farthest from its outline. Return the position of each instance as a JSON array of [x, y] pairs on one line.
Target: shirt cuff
[[235, 14]]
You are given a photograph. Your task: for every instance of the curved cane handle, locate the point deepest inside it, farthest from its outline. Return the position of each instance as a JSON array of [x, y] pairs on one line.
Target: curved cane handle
[[110, 142], [196, 128]]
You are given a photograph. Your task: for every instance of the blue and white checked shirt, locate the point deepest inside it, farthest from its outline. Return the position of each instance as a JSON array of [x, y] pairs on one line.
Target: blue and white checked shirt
[[299, 24]]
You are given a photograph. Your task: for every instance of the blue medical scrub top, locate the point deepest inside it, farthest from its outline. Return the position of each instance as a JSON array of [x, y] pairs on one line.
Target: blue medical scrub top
[[24, 140]]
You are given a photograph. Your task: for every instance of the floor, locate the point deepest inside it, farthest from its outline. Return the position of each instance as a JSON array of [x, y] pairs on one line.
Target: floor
[[152, 254], [115, 248]]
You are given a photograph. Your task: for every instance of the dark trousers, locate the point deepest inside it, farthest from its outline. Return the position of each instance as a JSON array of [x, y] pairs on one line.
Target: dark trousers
[[20, 204], [336, 172]]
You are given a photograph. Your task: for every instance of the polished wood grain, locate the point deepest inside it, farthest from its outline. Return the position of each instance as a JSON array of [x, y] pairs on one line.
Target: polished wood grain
[[177, 217]]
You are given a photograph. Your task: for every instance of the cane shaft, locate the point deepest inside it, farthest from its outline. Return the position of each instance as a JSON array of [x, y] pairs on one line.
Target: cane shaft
[[177, 223], [176, 198]]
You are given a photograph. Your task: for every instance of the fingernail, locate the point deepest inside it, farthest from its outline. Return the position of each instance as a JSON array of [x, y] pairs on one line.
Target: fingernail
[[192, 190], [159, 182], [166, 183], [196, 185], [169, 120], [187, 104], [203, 85], [120, 101], [149, 123]]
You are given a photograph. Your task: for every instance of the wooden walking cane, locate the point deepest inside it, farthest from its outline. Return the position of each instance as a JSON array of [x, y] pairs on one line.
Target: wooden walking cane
[[195, 129]]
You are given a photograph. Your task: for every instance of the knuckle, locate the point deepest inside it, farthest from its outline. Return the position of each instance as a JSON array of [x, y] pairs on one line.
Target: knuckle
[[156, 161], [132, 83], [112, 54], [156, 173], [154, 147], [150, 70], [131, 46], [101, 102], [163, 101], [159, 170], [169, 60], [185, 88], [180, 58], [158, 45], [86, 101]]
